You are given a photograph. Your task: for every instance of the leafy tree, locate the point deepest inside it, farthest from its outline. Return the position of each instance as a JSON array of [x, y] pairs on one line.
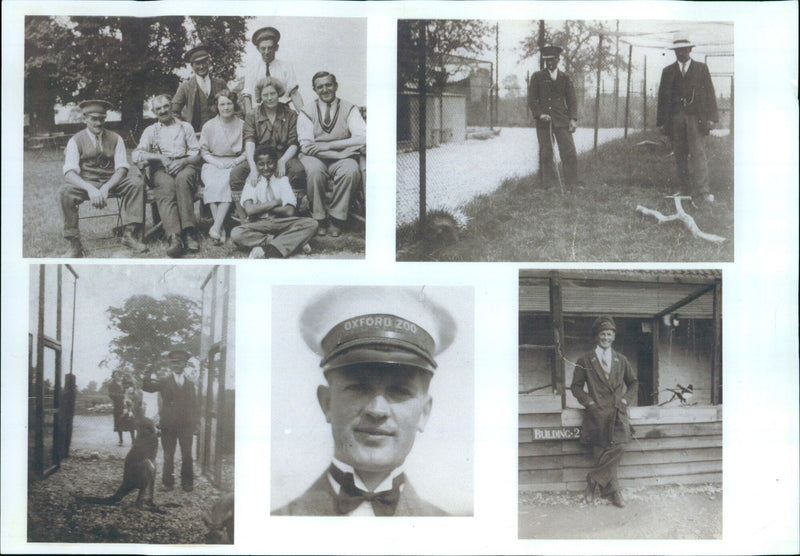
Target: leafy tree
[[121, 59], [90, 388], [511, 85], [448, 43], [150, 327]]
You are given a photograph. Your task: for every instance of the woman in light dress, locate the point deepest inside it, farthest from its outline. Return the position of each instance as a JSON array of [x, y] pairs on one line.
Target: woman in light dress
[[221, 148]]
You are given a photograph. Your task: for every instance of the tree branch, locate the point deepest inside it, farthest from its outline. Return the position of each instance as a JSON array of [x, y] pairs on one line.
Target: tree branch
[[683, 217]]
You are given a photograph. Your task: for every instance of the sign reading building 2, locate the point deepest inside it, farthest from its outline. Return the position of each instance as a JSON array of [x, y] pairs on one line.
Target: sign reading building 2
[[556, 433]]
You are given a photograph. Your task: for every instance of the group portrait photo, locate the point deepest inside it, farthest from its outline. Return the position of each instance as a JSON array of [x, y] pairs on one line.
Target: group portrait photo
[[194, 136], [565, 140]]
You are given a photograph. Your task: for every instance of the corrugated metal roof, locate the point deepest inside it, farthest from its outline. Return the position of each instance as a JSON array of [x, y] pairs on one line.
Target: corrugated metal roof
[[657, 275]]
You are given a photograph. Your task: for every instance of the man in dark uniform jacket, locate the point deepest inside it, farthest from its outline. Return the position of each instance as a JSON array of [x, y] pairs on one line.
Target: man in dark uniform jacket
[[687, 110], [552, 102], [193, 101], [178, 417], [377, 347], [612, 387]]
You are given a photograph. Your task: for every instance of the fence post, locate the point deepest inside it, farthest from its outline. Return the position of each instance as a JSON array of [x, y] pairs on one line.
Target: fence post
[[644, 95], [731, 111], [628, 90], [422, 123], [597, 94]]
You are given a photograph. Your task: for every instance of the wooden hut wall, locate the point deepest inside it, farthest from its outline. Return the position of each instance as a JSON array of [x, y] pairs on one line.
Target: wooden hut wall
[[680, 445], [684, 357]]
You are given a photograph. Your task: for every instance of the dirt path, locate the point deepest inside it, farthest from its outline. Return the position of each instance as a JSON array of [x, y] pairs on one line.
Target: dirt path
[[662, 512]]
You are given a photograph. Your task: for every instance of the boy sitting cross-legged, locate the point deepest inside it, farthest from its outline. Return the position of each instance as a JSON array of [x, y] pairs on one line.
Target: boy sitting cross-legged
[[270, 207]]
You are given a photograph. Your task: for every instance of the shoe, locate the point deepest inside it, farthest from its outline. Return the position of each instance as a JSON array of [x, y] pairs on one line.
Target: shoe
[[271, 252], [129, 241], [191, 242], [75, 249], [256, 253], [588, 493], [119, 443], [334, 230], [322, 230], [708, 198], [187, 488], [617, 500], [175, 248], [168, 488], [214, 235]]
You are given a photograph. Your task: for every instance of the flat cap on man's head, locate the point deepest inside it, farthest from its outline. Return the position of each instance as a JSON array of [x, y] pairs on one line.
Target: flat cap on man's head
[[603, 323], [94, 106], [352, 325], [266, 33], [551, 51], [179, 354], [197, 54]]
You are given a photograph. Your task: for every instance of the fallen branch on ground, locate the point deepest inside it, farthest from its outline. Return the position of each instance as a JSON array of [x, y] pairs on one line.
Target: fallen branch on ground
[[681, 215]]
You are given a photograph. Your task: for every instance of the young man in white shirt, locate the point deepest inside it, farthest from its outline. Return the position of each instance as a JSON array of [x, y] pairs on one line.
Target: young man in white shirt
[[266, 41], [273, 230]]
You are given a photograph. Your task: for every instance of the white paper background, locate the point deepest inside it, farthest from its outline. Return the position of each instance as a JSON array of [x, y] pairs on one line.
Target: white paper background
[[760, 360]]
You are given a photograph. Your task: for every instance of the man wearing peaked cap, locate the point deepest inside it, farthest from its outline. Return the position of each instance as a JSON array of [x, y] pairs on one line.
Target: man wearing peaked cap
[[612, 387], [193, 101], [377, 348], [266, 42]]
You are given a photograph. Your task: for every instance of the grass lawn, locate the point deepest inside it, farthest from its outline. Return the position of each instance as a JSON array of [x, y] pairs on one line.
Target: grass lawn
[[596, 221], [43, 224]]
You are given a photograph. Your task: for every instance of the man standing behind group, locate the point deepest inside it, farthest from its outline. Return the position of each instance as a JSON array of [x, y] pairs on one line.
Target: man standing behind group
[[193, 101], [687, 110], [171, 152], [552, 102], [266, 41], [332, 136]]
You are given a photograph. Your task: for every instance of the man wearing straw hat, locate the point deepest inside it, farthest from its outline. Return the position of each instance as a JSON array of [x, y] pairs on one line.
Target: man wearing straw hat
[[191, 101], [552, 102], [377, 347], [266, 41], [612, 387], [687, 110]]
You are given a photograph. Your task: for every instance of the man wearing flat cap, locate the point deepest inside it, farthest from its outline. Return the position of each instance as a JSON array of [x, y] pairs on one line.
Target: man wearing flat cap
[[377, 349], [552, 102], [193, 101], [96, 168], [687, 110], [178, 417], [266, 41], [612, 387]]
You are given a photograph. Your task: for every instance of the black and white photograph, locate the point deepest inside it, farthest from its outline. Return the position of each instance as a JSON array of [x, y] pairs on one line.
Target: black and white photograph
[[372, 401], [565, 140], [126, 364], [194, 136], [620, 404]]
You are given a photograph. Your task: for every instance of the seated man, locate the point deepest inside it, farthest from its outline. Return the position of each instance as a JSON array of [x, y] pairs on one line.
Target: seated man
[[170, 153], [273, 230], [332, 135], [96, 167]]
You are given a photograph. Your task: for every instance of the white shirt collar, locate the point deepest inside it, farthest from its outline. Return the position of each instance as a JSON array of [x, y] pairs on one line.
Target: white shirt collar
[[386, 484], [179, 378], [553, 74], [603, 355], [685, 65]]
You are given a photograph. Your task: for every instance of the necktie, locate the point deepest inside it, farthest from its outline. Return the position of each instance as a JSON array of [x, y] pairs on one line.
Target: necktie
[[606, 361], [327, 114], [683, 68], [384, 503], [267, 69]]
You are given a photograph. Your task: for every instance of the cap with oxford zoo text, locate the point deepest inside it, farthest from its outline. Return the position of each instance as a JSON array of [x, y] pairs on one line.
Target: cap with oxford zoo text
[[352, 325]]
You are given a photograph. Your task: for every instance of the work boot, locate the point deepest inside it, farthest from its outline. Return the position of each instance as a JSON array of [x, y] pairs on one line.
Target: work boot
[[175, 247], [75, 250], [322, 229], [190, 239], [588, 493], [334, 228], [272, 252], [129, 240], [617, 500]]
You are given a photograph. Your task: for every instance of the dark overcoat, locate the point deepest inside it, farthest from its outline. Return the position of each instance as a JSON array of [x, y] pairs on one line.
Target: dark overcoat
[[605, 421], [177, 405], [692, 93], [554, 98], [320, 500]]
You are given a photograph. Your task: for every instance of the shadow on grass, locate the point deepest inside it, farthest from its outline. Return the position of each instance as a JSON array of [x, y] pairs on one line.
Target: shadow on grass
[[42, 225], [597, 220]]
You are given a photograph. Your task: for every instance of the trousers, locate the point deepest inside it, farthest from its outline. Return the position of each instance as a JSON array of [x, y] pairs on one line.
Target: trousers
[[566, 149], [170, 436], [330, 198], [689, 145], [130, 192], [174, 197], [290, 233]]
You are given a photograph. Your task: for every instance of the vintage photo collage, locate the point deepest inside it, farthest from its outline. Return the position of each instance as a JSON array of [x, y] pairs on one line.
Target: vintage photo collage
[[572, 289]]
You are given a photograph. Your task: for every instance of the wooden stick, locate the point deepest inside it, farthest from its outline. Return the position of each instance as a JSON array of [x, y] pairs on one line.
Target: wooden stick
[[681, 215]]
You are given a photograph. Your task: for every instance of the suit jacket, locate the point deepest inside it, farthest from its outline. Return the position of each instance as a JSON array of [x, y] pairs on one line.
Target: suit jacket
[[186, 96], [178, 404], [607, 419], [320, 500], [692, 93], [554, 98]]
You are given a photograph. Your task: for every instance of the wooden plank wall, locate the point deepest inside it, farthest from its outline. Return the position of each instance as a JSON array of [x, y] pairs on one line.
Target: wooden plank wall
[[681, 445]]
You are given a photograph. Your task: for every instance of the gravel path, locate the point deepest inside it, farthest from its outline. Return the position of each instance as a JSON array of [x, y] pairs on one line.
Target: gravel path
[[457, 172]]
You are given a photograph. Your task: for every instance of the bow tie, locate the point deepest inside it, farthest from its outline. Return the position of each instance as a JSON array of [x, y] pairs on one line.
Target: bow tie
[[384, 503]]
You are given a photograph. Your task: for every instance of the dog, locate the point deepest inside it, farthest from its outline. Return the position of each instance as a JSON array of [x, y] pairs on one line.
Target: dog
[[220, 517]]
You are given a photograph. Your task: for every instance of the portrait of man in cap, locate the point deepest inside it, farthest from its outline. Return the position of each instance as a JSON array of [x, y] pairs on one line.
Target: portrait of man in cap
[[605, 383], [266, 40], [193, 101], [391, 410]]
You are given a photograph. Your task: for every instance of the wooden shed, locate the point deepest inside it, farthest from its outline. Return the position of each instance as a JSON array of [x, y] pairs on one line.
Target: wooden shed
[[669, 326]]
